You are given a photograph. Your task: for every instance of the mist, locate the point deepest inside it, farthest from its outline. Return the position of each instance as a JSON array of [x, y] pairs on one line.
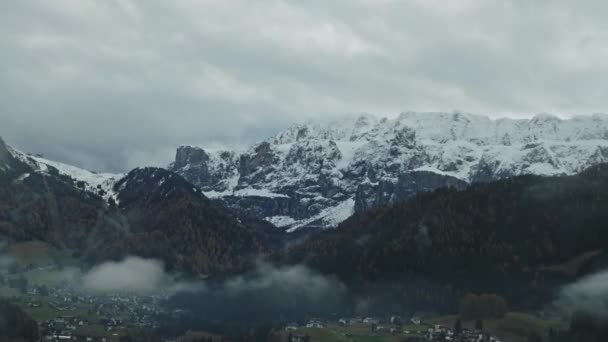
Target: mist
[[266, 295], [588, 295], [132, 275]]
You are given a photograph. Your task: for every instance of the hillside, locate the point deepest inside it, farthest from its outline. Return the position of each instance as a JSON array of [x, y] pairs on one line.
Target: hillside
[[148, 212], [518, 237]]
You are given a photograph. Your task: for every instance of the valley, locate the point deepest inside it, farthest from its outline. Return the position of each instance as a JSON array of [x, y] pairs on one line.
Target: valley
[[369, 218]]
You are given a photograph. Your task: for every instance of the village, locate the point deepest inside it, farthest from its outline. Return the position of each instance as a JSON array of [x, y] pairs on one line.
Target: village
[[393, 328], [66, 313], [36, 280]]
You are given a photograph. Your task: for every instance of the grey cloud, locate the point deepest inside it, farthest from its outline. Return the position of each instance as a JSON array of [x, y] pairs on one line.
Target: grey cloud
[[131, 275], [265, 294], [589, 295], [113, 84], [287, 279]]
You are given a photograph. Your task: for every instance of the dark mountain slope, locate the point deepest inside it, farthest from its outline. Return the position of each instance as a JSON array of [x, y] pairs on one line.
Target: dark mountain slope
[[51, 207], [150, 212], [171, 220], [492, 237]]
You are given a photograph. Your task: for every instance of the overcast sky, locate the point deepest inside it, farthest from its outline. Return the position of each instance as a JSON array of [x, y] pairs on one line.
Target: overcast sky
[[113, 84]]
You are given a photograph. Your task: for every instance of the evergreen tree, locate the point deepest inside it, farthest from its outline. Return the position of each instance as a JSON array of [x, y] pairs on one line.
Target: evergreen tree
[[534, 337], [458, 327], [479, 325]]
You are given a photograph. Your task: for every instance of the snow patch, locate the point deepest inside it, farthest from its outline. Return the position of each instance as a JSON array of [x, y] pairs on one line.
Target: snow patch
[[93, 182], [22, 177], [280, 221], [330, 217], [250, 192]]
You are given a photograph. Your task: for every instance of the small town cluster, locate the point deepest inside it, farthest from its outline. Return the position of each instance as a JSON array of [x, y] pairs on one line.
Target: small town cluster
[[74, 315], [413, 329]]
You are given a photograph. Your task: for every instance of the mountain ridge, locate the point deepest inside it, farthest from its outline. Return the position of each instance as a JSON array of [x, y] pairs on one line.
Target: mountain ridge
[[148, 212], [317, 174]]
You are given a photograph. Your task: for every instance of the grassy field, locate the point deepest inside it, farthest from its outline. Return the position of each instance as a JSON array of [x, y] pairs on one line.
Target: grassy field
[[46, 311], [514, 327], [191, 336]]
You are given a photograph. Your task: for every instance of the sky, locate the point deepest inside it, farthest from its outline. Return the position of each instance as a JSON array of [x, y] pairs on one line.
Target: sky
[[113, 84]]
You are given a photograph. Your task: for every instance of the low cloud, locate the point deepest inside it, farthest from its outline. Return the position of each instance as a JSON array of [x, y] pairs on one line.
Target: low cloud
[[588, 295], [267, 294], [133, 274], [297, 278]]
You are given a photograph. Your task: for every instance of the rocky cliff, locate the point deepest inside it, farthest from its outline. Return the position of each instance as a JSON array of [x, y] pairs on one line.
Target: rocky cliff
[[317, 174]]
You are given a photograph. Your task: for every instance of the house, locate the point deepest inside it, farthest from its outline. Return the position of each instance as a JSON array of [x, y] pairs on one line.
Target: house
[[356, 320], [415, 320], [315, 324], [371, 320], [33, 304], [299, 338], [291, 327], [396, 320], [88, 336], [64, 335], [342, 321]]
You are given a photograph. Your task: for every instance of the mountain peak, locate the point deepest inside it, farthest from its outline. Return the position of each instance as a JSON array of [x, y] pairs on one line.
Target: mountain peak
[[314, 173], [187, 155], [4, 154]]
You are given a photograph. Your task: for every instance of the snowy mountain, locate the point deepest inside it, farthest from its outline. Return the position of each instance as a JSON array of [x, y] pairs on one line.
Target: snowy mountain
[[317, 174], [100, 184]]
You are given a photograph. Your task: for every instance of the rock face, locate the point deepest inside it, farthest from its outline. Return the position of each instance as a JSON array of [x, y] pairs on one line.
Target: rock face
[[4, 155], [318, 174], [407, 185], [149, 212]]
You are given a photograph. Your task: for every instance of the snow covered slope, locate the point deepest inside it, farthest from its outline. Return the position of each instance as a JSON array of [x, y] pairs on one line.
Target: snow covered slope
[[100, 184], [316, 174]]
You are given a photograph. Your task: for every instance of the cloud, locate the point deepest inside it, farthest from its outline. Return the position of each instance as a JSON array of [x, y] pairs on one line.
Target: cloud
[[113, 84], [589, 295], [134, 275], [266, 294], [293, 278]]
